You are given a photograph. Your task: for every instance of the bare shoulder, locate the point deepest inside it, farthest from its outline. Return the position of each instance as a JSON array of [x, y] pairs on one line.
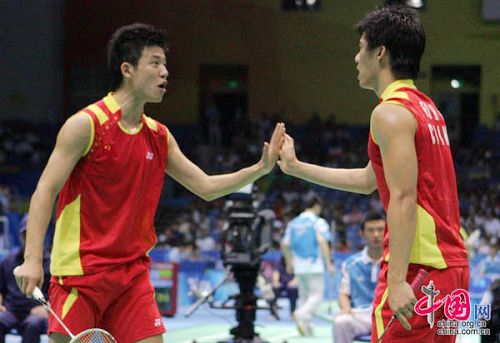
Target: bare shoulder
[[76, 132], [78, 124], [391, 119]]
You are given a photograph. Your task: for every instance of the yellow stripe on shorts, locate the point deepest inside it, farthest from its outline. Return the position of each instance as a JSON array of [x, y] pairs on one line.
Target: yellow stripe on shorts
[[70, 300], [379, 321]]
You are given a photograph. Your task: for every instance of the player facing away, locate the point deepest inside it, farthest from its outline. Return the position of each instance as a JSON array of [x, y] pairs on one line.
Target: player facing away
[[410, 164], [108, 167]]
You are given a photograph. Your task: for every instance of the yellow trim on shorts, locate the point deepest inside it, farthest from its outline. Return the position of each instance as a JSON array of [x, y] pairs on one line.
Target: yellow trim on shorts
[[69, 302], [379, 321]]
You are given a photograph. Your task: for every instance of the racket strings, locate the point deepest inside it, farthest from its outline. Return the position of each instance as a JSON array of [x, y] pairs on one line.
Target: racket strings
[[93, 336]]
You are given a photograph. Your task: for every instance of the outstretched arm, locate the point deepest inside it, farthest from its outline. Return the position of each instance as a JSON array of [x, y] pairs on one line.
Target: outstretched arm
[[211, 187], [360, 180]]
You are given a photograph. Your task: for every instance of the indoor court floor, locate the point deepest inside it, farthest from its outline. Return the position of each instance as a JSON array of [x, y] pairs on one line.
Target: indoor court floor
[[212, 326]]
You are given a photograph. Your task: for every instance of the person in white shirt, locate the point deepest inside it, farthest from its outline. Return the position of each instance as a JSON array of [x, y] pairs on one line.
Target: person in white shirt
[[357, 288], [305, 247]]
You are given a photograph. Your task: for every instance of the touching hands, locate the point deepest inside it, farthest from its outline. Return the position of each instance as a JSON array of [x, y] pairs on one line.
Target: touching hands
[[402, 301], [280, 147], [271, 150], [288, 159]]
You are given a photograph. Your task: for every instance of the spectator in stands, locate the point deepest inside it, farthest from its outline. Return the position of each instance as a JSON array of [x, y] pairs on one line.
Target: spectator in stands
[[183, 252], [304, 246], [204, 241], [4, 199], [357, 287], [491, 225], [16, 310], [490, 265]]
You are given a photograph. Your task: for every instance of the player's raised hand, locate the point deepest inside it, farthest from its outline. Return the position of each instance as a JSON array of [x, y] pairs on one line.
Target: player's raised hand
[[271, 150], [288, 159]]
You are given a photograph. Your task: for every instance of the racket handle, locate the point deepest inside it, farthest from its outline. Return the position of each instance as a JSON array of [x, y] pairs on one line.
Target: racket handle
[[38, 295], [416, 283], [418, 280]]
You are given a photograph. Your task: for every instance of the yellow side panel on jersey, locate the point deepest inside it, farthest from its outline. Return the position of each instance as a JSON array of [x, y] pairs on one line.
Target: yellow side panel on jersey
[[425, 248], [66, 246], [68, 303], [379, 321], [99, 113]]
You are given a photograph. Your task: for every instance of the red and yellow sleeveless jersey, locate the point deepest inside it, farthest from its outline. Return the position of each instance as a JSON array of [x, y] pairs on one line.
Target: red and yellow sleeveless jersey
[[105, 212], [437, 240]]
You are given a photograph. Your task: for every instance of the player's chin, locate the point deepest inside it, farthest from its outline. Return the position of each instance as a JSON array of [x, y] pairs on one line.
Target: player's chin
[[156, 99], [361, 83]]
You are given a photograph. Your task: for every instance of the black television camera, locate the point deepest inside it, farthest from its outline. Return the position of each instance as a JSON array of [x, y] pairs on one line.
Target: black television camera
[[246, 236]]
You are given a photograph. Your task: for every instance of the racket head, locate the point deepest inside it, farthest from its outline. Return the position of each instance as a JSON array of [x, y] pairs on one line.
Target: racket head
[[93, 336]]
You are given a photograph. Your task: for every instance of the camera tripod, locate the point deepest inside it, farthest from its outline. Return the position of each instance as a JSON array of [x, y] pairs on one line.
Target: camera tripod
[[245, 304]]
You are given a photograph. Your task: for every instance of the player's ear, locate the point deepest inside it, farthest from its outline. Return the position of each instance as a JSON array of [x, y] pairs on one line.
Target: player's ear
[[382, 52], [127, 69]]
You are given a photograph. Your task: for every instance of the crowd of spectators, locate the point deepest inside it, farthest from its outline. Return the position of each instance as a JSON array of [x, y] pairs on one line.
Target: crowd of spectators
[[190, 224]]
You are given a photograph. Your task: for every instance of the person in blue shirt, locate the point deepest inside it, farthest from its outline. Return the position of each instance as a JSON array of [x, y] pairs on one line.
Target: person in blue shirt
[[359, 279], [306, 250], [16, 310]]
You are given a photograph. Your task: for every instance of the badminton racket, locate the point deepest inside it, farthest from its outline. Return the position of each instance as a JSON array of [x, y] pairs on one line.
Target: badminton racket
[[417, 282], [88, 336]]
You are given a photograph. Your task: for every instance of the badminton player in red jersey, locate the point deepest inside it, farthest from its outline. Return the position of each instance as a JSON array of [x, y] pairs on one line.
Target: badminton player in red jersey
[[108, 167], [410, 164]]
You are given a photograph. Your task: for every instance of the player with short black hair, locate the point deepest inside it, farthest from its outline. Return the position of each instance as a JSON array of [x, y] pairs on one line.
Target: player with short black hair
[[108, 168]]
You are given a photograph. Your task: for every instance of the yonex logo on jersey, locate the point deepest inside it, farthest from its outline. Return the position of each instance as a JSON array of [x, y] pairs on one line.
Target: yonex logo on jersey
[[149, 155], [157, 322]]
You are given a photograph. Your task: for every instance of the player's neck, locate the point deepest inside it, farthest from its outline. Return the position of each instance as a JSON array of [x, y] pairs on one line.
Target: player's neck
[[384, 80], [131, 108]]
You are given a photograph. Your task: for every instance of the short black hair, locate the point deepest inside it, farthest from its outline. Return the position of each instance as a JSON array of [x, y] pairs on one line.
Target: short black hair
[[127, 45], [312, 199], [370, 217], [399, 29]]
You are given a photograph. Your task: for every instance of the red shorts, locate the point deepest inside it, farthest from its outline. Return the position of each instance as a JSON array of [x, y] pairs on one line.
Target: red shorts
[[120, 301], [445, 281]]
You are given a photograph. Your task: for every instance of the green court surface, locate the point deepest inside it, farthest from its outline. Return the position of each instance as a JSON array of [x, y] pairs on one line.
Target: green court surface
[[212, 333], [212, 326]]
